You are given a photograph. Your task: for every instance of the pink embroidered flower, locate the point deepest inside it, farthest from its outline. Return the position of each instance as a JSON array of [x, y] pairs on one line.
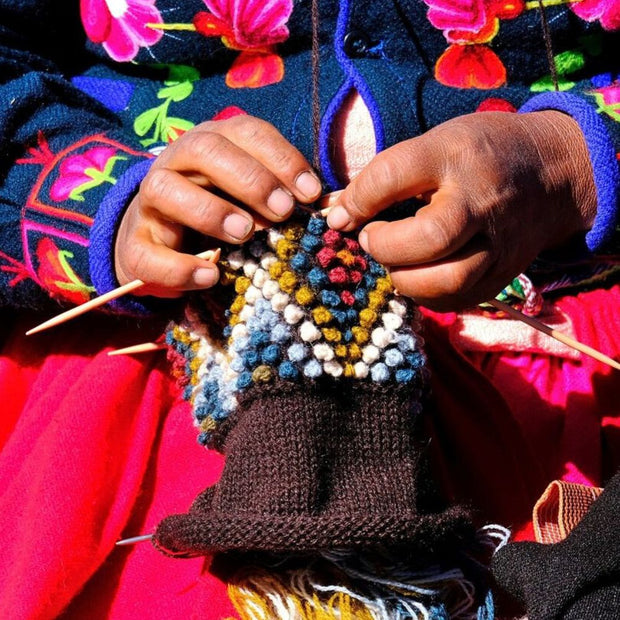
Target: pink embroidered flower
[[606, 11], [122, 26], [608, 100], [79, 173], [253, 27]]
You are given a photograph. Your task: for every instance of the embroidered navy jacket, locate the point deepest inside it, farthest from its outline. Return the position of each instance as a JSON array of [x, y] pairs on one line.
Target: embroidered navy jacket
[[90, 91]]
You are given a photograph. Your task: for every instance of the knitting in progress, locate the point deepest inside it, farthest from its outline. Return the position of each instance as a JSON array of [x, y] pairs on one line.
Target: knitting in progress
[[311, 386]]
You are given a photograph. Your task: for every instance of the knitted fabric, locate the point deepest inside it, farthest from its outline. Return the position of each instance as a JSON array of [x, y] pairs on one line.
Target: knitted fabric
[[312, 392]]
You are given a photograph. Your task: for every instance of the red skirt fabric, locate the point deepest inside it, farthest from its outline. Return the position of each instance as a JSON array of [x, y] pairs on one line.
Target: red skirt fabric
[[97, 448]]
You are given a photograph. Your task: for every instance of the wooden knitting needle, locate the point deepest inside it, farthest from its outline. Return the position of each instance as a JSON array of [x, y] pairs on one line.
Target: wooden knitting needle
[[210, 255], [554, 333], [145, 347]]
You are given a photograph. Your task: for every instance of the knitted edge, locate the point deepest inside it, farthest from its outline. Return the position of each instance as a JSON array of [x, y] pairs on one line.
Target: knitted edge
[[602, 155], [103, 234]]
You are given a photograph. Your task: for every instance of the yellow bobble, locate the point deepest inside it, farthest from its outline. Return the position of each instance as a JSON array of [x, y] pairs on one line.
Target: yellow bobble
[[208, 424], [242, 284], [346, 257], [367, 317], [354, 352], [234, 320], [375, 300], [321, 315], [293, 233], [184, 337], [285, 249], [277, 269], [238, 304], [332, 334], [304, 296], [360, 335], [349, 370], [226, 277], [261, 374], [287, 281], [384, 285], [340, 350]]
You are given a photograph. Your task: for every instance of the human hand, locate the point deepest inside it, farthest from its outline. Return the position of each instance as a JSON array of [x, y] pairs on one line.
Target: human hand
[[198, 183], [500, 188]]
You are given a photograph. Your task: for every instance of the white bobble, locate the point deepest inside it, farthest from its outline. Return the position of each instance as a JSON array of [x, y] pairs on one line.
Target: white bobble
[[392, 321], [382, 337], [268, 260], [250, 268], [273, 237], [309, 332], [279, 301], [246, 312], [293, 314], [323, 352], [239, 330], [370, 354], [397, 307], [236, 259], [252, 294], [270, 288], [260, 277], [333, 368], [361, 370]]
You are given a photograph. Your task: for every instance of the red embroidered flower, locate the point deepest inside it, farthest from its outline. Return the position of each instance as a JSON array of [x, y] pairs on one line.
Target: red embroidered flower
[[605, 11], [253, 27], [470, 66], [495, 104]]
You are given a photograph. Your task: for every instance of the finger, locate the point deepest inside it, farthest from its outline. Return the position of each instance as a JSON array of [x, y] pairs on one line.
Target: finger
[[458, 282], [267, 145], [166, 272], [175, 198], [436, 231], [400, 172], [208, 158]]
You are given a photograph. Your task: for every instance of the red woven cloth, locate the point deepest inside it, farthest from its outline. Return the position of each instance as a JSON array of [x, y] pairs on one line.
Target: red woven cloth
[[95, 449]]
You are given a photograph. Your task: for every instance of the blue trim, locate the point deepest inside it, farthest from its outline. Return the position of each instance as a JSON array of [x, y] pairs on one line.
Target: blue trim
[[603, 158], [103, 233]]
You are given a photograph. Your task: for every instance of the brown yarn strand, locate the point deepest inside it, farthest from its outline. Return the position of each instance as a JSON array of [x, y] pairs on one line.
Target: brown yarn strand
[[316, 109], [548, 46]]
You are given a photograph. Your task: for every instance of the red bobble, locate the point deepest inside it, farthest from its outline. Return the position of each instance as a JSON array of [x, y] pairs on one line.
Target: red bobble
[[325, 256], [347, 298], [338, 275]]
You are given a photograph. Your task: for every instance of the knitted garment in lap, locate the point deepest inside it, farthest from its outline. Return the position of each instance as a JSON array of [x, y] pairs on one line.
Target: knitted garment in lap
[[305, 369]]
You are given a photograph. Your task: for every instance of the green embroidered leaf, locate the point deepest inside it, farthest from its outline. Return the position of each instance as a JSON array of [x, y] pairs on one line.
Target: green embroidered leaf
[[174, 127], [177, 91], [569, 62], [145, 121], [182, 73]]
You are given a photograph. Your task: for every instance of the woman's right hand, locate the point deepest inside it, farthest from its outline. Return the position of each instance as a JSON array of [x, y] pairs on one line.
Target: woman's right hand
[[243, 158]]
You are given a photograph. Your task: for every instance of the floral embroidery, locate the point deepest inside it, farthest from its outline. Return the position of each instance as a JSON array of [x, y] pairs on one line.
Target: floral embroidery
[[121, 26], [608, 100], [468, 25], [57, 276], [495, 104], [167, 128], [79, 173], [605, 11]]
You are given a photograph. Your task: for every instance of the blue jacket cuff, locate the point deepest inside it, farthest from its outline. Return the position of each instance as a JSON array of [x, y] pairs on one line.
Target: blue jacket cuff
[[103, 234], [603, 158]]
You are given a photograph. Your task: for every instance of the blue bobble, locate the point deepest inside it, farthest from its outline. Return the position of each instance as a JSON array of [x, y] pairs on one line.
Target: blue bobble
[[393, 357], [352, 315], [270, 354], [169, 338], [406, 342], [369, 281], [313, 369], [296, 352], [237, 364], [279, 333], [288, 371], [361, 296], [330, 298], [317, 278], [300, 262], [348, 335], [259, 338], [404, 375], [244, 380], [310, 242], [239, 344], [316, 226], [250, 358], [416, 360], [375, 268], [340, 316], [379, 373], [204, 438], [227, 331]]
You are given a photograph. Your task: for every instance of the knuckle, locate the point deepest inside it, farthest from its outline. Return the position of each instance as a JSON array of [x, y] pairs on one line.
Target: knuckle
[[205, 146], [249, 128], [257, 182], [433, 234], [155, 182]]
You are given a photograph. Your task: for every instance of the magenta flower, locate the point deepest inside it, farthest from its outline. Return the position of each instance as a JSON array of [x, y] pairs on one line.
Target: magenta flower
[[122, 26], [606, 11], [79, 173]]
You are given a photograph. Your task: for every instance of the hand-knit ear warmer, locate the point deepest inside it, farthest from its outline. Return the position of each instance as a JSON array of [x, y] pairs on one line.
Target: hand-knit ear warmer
[[311, 388]]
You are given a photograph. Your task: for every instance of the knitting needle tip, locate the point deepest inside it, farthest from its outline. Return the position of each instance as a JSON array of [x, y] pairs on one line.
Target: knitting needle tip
[[135, 539], [144, 347]]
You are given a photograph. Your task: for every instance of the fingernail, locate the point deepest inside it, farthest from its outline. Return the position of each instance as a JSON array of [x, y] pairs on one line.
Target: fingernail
[[308, 184], [237, 226], [338, 218], [280, 202], [205, 277], [363, 240]]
